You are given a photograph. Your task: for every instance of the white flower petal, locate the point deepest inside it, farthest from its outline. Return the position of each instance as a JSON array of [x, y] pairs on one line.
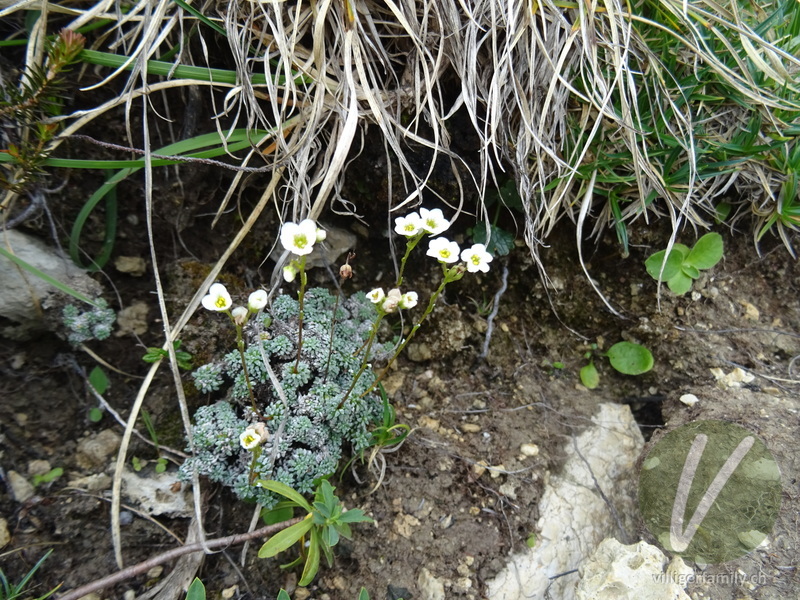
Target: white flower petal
[[218, 298], [376, 295], [433, 221], [409, 225], [443, 250], [257, 300], [477, 258]]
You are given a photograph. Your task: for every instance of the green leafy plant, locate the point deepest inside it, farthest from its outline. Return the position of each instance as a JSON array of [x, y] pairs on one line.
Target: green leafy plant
[[11, 591], [184, 358], [625, 357], [683, 265], [325, 523], [94, 323], [99, 382], [497, 240], [161, 462]]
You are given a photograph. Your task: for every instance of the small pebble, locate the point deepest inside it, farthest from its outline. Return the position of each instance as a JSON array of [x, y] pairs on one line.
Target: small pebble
[[689, 399], [529, 449]]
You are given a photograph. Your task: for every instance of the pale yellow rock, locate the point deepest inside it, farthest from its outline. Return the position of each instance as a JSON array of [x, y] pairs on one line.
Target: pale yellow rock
[[404, 525], [529, 450], [132, 265], [5, 536], [471, 427]]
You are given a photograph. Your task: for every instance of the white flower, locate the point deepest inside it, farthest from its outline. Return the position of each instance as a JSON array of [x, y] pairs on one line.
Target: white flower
[[408, 300], [253, 436], [477, 258], [392, 301], [409, 226], [376, 295], [433, 221], [443, 250], [289, 273], [257, 300], [299, 238], [239, 315], [218, 298]]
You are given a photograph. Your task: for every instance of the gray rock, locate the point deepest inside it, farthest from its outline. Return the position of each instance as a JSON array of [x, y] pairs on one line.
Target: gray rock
[[20, 287], [93, 452], [21, 488]]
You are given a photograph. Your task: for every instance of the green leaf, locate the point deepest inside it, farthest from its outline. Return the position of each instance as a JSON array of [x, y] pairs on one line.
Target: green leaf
[[363, 594], [161, 465], [154, 355], [500, 241], [312, 562], [690, 271], [589, 376], [287, 492], [680, 284], [98, 380], [95, 415], [707, 252], [280, 513], [196, 591], [629, 358], [653, 264], [355, 515], [283, 595], [531, 541], [285, 539], [330, 537]]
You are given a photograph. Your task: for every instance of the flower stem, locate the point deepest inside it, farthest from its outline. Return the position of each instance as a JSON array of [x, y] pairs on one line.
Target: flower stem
[[300, 296], [410, 245], [240, 347], [450, 275], [372, 334]]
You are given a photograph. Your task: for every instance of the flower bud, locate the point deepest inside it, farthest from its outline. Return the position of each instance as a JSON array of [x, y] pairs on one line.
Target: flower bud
[[321, 235], [257, 300], [240, 314], [345, 271], [289, 273]]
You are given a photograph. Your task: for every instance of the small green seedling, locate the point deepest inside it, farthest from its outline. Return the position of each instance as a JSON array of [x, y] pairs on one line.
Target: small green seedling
[[51, 475], [626, 357], [323, 526], [684, 264], [184, 358], [161, 463]]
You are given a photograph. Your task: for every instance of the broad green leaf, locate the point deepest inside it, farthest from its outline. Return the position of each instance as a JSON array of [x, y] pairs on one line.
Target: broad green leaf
[[98, 380], [344, 530], [196, 591], [363, 594], [629, 358], [287, 492], [589, 376], [312, 562], [707, 252], [283, 595], [95, 415], [653, 264], [680, 284], [500, 241], [330, 536], [355, 515], [690, 271], [285, 539], [278, 514]]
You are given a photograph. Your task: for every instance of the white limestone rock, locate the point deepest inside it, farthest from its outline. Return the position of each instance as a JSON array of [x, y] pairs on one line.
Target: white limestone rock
[[635, 572], [574, 518]]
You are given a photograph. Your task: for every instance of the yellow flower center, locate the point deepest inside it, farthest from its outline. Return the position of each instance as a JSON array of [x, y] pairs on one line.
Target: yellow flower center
[[444, 253], [409, 227], [220, 302], [431, 223], [476, 260], [300, 241]]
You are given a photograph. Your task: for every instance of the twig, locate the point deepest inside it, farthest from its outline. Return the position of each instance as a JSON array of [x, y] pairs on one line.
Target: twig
[[148, 564]]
